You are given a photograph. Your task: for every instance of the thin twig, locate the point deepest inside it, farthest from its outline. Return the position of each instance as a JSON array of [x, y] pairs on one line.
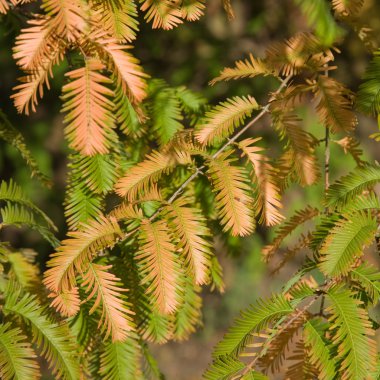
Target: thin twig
[[199, 170]]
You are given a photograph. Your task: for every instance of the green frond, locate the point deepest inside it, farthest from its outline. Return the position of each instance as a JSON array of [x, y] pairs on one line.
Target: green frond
[[13, 137], [17, 358], [322, 230], [352, 185], [367, 278], [223, 368], [223, 119], [319, 349], [188, 316], [11, 192], [156, 327], [22, 270], [233, 198], [351, 334], [319, 17], [366, 202], [368, 99], [53, 340], [191, 102], [14, 215], [345, 243], [121, 361], [166, 114], [252, 320], [119, 18]]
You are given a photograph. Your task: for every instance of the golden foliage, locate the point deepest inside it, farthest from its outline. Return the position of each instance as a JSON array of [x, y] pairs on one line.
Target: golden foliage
[[347, 8], [192, 10], [233, 199], [267, 201], [143, 176], [76, 252], [248, 68], [115, 318], [189, 227], [159, 267], [224, 118], [89, 110]]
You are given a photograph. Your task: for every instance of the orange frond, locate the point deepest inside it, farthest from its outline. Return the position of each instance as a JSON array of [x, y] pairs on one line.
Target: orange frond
[[233, 200], [221, 121], [76, 252], [89, 110], [68, 17], [115, 319], [268, 193], [189, 227], [164, 14], [159, 267], [125, 67], [67, 303], [4, 6], [143, 176]]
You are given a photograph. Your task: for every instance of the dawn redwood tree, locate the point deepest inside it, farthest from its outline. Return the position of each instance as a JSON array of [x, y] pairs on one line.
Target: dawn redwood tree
[[156, 173]]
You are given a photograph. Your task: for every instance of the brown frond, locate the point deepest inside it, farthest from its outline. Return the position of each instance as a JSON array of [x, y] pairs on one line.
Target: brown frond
[[299, 155], [118, 18], [143, 176], [221, 121], [89, 110], [248, 68], [164, 14], [68, 17], [334, 104], [347, 8], [115, 319], [351, 146], [159, 266], [76, 252], [301, 368], [287, 228], [189, 227], [229, 10], [192, 10], [267, 201], [280, 346], [233, 199], [299, 51], [66, 302]]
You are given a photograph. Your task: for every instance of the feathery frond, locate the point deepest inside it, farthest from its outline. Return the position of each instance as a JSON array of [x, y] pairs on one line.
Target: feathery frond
[[252, 320], [334, 104], [76, 252], [367, 278], [352, 331], [158, 265], [17, 358], [189, 227], [221, 121], [267, 194], [115, 318], [223, 368], [192, 10], [89, 109], [141, 177], [163, 14], [52, 339], [22, 270], [233, 200], [344, 245], [248, 68], [347, 7], [352, 185]]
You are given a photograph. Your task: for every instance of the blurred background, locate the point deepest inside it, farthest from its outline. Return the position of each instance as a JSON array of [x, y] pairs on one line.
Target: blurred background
[[190, 55]]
